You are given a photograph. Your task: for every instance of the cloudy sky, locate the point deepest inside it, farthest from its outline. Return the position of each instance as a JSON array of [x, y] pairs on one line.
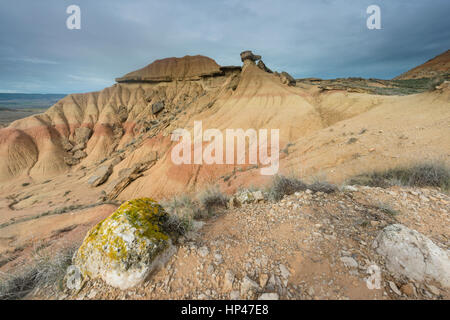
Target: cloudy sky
[[320, 38]]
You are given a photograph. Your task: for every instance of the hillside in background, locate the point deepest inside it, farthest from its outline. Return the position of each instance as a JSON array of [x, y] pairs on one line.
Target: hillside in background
[[439, 66], [28, 100]]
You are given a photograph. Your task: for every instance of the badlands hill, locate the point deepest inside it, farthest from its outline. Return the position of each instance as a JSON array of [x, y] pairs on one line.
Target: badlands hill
[[334, 132], [438, 66]]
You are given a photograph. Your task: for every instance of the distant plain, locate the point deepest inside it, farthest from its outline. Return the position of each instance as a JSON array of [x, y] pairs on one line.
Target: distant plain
[[15, 106]]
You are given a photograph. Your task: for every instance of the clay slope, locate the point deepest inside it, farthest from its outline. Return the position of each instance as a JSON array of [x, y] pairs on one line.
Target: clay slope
[[59, 168], [82, 129], [438, 66]]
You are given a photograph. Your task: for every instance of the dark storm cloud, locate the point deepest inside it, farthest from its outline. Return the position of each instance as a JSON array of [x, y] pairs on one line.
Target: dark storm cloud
[[327, 38]]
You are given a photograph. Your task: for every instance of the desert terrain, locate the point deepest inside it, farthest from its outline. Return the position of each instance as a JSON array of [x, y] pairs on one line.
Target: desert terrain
[[67, 169]]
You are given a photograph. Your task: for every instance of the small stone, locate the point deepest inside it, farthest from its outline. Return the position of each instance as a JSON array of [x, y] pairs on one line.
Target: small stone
[[374, 223], [263, 278], [210, 269], [245, 197], [248, 286], [92, 294], [410, 254], [394, 288], [433, 289], [228, 280], [349, 262], [350, 188], [234, 295], [284, 271], [258, 195], [218, 258], [269, 296], [408, 289], [203, 251]]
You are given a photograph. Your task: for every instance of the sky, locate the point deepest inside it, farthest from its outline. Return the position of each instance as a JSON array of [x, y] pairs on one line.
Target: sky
[[320, 38]]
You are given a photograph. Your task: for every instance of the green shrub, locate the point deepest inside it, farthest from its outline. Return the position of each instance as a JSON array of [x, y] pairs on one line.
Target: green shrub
[[386, 208], [420, 175], [43, 271], [282, 186], [182, 206], [177, 226], [212, 199], [184, 209], [322, 186]]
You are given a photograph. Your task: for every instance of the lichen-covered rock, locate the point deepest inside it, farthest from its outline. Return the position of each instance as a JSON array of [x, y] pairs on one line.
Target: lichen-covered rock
[[245, 197], [410, 254], [100, 175], [125, 247]]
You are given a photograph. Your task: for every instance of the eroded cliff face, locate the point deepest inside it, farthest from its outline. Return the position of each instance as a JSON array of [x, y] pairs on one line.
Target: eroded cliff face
[[47, 144]]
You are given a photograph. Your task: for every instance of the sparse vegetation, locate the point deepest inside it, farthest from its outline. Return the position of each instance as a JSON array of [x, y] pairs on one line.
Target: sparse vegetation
[[421, 175], [388, 87], [177, 226], [282, 185], [322, 186], [184, 209], [44, 271]]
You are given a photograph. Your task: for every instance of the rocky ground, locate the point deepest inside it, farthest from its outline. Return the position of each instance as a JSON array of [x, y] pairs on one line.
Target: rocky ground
[[307, 246]]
